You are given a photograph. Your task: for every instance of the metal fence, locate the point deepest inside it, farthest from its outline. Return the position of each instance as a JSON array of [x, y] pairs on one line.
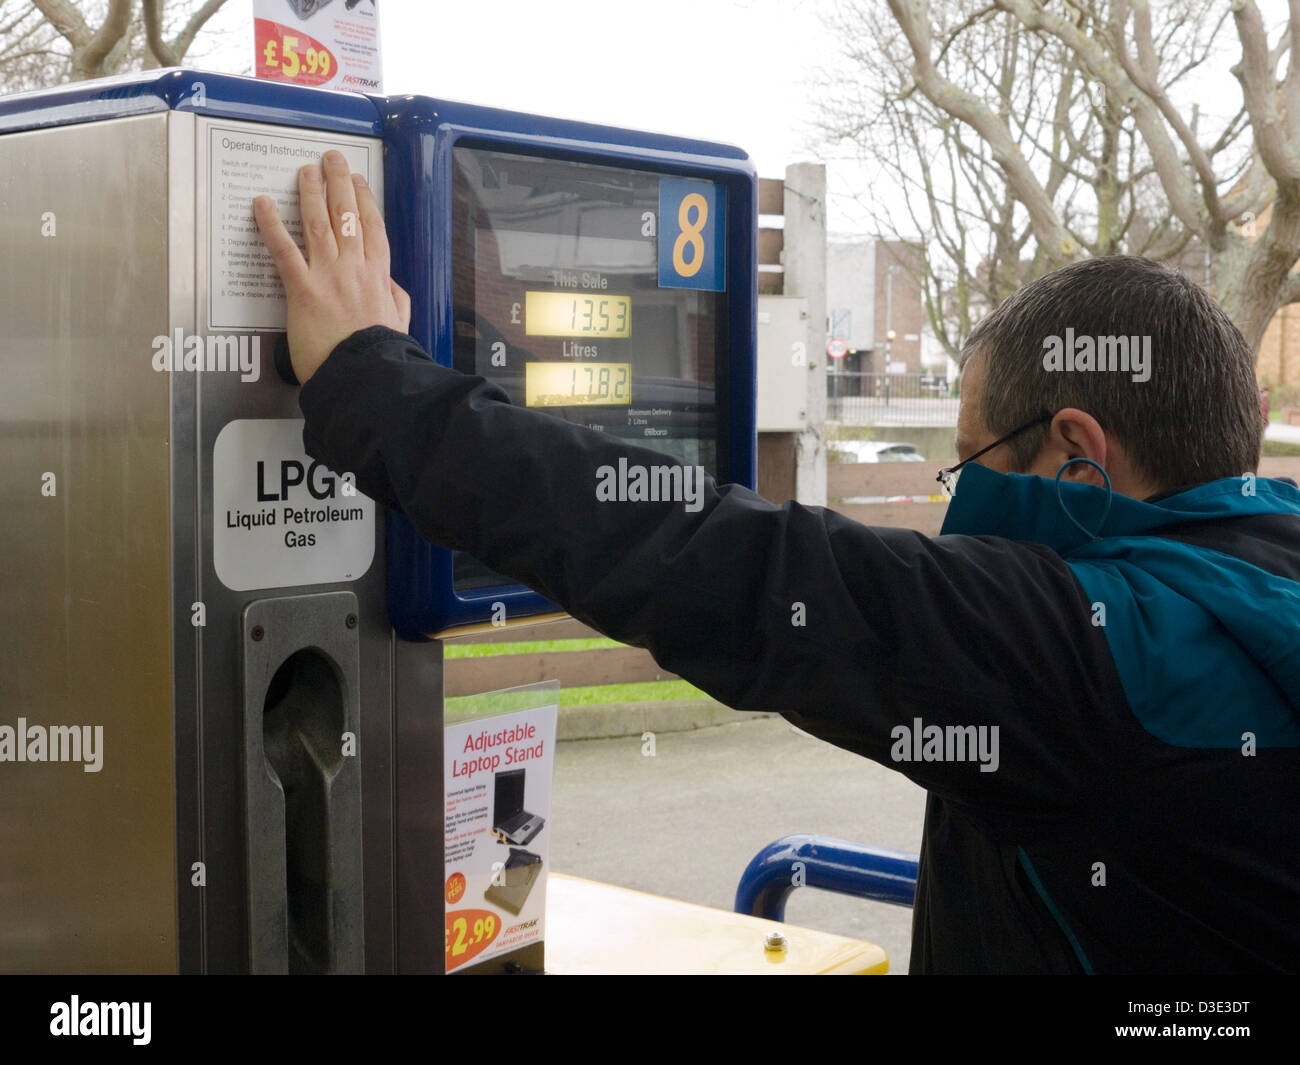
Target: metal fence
[[890, 399]]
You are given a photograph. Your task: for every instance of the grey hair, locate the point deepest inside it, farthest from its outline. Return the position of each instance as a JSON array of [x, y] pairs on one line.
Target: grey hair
[[1195, 418]]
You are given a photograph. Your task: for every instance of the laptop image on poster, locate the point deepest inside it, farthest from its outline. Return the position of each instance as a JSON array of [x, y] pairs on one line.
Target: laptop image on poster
[[510, 821], [520, 874]]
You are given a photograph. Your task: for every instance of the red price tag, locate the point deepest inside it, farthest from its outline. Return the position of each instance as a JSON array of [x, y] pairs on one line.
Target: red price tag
[[285, 53], [469, 933]]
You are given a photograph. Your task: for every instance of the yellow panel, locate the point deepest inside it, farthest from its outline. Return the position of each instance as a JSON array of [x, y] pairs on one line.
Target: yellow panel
[[596, 928]]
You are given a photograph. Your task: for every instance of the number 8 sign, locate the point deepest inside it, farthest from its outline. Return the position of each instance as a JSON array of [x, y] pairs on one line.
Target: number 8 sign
[[692, 235]]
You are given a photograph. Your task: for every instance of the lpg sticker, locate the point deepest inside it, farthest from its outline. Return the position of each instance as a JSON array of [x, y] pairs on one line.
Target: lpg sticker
[[280, 518]]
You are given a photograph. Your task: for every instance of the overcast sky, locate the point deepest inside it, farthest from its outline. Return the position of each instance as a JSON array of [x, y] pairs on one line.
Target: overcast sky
[[740, 71], [726, 70], [737, 71]]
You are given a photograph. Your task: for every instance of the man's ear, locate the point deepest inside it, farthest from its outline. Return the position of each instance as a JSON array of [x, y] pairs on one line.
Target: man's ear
[[1076, 434]]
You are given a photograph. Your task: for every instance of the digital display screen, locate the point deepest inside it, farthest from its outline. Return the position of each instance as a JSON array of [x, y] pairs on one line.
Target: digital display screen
[[565, 384], [562, 296], [562, 314]]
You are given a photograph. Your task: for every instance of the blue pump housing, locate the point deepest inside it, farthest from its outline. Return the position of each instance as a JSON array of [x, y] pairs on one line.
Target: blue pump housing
[[420, 136]]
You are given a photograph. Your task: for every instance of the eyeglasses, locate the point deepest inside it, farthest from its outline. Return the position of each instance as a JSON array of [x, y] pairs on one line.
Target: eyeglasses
[[948, 476]]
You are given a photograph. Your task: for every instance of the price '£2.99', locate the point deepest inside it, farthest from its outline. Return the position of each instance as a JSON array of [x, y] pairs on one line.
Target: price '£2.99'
[[469, 933]]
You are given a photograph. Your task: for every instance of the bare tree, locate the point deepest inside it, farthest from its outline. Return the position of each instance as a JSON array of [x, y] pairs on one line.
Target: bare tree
[[1026, 133], [46, 42]]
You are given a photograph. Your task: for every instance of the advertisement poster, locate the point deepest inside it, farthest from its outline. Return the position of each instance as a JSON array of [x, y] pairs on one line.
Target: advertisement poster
[[499, 756], [329, 44]]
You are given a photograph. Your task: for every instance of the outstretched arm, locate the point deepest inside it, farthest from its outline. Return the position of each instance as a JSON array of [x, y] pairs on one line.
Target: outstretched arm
[[851, 632]]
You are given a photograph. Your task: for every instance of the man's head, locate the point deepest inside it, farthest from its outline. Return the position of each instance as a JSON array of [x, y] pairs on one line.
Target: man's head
[[1175, 402]]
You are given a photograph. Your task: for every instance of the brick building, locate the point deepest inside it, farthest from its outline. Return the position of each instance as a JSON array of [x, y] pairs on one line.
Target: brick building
[[1279, 352], [871, 289]]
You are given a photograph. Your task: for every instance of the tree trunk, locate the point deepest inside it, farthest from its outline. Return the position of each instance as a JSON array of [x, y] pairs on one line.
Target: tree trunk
[[1254, 279]]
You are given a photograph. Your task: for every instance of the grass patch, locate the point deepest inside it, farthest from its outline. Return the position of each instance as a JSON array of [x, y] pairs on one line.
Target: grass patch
[[528, 647], [646, 691], [840, 431], [467, 706], [591, 695], [1279, 449], [836, 431]]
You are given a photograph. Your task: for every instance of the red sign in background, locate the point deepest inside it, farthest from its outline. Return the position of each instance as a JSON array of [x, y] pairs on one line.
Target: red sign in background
[[285, 53]]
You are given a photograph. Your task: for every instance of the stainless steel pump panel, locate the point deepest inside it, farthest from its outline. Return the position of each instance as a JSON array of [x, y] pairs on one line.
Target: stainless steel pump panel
[[187, 594]]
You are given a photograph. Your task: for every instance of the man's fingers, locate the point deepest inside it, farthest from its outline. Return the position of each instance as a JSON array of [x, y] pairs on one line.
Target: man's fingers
[[341, 197], [403, 302], [317, 230], [372, 224], [284, 252]]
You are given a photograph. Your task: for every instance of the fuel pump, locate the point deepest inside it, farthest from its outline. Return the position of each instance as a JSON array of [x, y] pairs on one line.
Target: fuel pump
[[221, 727]]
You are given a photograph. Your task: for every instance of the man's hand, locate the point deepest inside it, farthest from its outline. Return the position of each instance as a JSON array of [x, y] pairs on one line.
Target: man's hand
[[344, 284]]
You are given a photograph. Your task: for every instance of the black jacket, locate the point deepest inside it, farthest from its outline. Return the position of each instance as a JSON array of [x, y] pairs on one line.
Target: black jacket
[[1101, 842]]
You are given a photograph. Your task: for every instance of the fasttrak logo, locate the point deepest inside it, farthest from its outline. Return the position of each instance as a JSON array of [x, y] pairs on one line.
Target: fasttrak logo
[[102, 1018]]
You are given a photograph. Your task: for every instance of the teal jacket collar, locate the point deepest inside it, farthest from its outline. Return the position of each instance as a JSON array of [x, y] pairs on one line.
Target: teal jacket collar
[[1039, 509]]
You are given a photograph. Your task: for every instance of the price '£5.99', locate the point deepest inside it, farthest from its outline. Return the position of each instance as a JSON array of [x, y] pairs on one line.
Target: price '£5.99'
[[288, 54], [469, 933]]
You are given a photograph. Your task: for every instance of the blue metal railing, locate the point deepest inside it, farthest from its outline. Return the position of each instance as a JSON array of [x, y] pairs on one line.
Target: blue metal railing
[[827, 863]]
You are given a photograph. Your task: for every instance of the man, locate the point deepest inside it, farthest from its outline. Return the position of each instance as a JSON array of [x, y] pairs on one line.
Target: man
[[1095, 671]]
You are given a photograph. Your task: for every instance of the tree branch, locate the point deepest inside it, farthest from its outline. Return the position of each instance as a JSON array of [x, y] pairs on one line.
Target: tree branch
[[1290, 290], [88, 62], [912, 17], [1145, 74], [65, 18], [162, 51], [1256, 77], [1173, 177], [181, 42]]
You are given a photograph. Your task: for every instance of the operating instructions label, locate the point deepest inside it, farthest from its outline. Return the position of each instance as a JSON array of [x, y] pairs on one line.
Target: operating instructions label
[[279, 517], [243, 162]]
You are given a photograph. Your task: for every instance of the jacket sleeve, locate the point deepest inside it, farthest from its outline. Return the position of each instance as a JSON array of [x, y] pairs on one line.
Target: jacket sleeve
[[849, 631]]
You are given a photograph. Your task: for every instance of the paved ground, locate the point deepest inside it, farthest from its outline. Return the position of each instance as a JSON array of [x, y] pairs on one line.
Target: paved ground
[[685, 822]]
